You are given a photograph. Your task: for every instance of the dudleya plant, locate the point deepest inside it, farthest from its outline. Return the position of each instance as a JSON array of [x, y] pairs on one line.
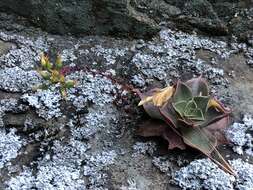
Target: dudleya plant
[[185, 114], [53, 74]]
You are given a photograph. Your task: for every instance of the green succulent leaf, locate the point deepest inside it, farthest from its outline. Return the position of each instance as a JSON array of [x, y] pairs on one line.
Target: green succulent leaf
[[42, 86], [202, 102], [180, 107], [190, 116], [192, 112], [45, 74], [49, 66], [198, 86], [196, 114], [69, 84], [52, 73], [220, 161], [206, 143], [191, 105], [196, 138], [182, 93], [58, 62]]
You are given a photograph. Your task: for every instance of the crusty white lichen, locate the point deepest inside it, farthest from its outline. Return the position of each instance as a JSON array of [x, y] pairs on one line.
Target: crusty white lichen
[[176, 53], [109, 54], [96, 89], [131, 185], [93, 122], [10, 144], [203, 174], [46, 102], [17, 80], [245, 174], [239, 135], [94, 166], [163, 164], [25, 180], [61, 170], [143, 148], [26, 54]]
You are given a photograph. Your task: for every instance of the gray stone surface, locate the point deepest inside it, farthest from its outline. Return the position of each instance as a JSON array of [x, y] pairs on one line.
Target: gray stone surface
[[88, 141], [5, 47]]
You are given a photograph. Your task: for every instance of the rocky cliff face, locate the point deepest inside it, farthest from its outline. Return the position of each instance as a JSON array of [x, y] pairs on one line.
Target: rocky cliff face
[[84, 16], [136, 18], [88, 141]]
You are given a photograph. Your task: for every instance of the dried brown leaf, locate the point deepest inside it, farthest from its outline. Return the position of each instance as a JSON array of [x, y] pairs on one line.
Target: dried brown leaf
[[160, 96], [216, 104]]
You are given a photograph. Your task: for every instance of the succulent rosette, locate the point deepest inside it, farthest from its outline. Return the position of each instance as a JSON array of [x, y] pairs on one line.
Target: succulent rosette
[[185, 114], [53, 74]]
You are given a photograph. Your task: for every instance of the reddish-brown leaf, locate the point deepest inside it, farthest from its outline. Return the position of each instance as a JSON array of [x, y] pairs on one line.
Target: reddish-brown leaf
[[218, 128], [158, 128], [198, 86]]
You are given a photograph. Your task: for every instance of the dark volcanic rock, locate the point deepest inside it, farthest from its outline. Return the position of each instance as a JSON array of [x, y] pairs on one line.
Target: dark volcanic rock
[[136, 18], [208, 16], [83, 16]]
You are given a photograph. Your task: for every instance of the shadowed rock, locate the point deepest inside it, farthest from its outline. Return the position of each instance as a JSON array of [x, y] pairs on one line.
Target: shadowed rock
[[84, 16], [136, 18]]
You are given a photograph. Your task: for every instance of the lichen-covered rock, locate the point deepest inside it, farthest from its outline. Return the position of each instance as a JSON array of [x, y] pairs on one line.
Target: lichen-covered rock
[[175, 54], [203, 174], [60, 171], [46, 102], [87, 141], [17, 80], [26, 54], [245, 173], [10, 105], [143, 148], [96, 89], [10, 144], [25, 180], [239, 135]]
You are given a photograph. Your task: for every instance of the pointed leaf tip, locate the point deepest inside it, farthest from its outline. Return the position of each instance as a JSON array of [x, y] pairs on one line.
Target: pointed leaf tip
[[145, 100], [198, 86], [182, 93]]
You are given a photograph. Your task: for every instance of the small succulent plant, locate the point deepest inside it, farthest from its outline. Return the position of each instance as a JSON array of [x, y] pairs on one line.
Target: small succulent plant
[[53, 74], [185, 114]]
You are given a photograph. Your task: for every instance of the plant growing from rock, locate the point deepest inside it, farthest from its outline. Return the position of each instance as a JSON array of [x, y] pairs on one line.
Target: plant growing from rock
[[53, 74], [185, 114]]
